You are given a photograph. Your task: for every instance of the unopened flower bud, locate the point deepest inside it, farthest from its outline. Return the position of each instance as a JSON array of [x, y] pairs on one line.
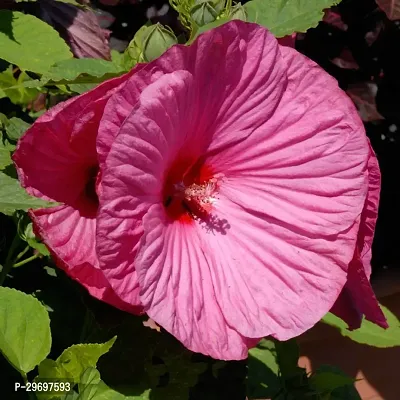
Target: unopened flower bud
[[156, 40], [218, 5], [134, 50], [148, 44], [204, 13], [239, 12]]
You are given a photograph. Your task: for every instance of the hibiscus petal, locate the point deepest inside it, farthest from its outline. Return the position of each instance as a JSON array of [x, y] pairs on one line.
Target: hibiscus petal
[[70, 238], [345, 309], [118, 107], [306, 165], [177, 283], [254, 280], [370, 212], [64, 141], [362, 296], [357, 297], [268, 279], [247, 75], [131, 182]]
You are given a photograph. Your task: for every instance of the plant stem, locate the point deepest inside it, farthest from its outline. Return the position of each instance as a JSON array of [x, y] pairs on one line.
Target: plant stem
[[27, 260], [22, 253], [9, 260]]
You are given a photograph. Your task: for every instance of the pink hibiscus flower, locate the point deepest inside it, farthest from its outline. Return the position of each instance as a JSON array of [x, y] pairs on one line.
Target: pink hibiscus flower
[[56, 160], [239, 194]]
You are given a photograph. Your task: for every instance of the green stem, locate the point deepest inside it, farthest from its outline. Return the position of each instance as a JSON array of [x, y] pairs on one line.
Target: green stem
[[31, 395], [27, 260], [9, 260], [22, 253]]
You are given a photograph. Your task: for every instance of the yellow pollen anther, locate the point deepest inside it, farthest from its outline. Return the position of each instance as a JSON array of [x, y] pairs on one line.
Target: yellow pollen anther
[[201, 194]]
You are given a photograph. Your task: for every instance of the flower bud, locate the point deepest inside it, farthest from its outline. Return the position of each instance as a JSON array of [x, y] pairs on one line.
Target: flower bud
[[204, 13], [133, 51], [148, 44], [156, 40], [239, 12], [218, 5]]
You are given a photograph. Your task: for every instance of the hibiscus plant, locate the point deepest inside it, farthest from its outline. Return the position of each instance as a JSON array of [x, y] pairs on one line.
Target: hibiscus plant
[[174, 215]]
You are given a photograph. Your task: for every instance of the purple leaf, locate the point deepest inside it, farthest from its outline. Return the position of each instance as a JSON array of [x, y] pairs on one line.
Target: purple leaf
[[390, 7], [363, 95], [80, 28]]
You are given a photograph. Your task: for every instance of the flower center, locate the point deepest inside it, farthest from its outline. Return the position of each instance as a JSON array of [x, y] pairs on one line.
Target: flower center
[[92, 184], [189, 193]]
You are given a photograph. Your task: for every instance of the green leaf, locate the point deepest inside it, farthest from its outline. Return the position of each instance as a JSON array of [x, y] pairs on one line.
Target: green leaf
[[294, 378], [84, 70], [183, 374], [217, 366], [25, 337], [80, 88], [3, 121], [74, 361], [284, 17], [16, 128], [71, 396], [30, 43], [263, 380], [5, 156], [38, 246], [16, 90], [370, 333], [80, 75], [335, 383], [287, 357], [88, 384], [133, 369], [91, 387], [117, 58], [5, 146], [328, 381], [13, 197]]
